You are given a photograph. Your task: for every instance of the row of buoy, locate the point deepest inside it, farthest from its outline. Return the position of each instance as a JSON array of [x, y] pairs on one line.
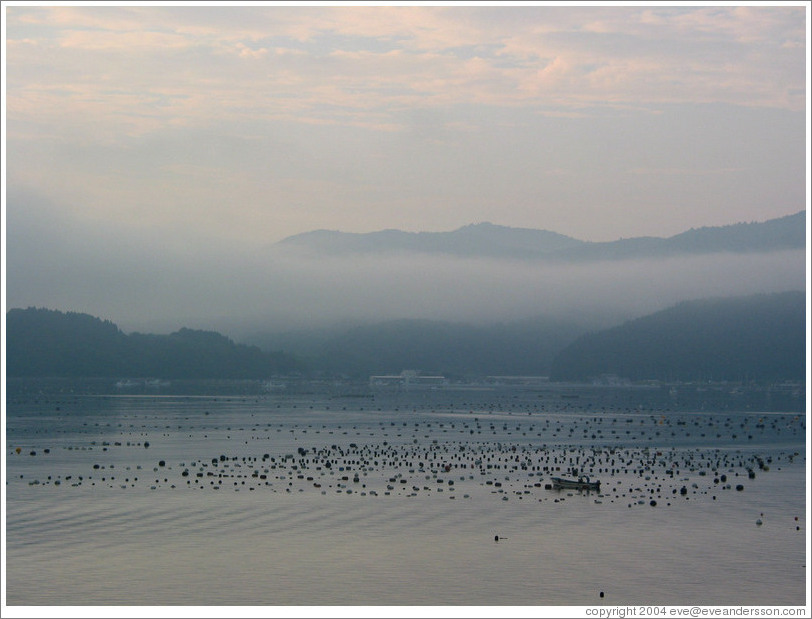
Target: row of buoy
[[476, 443], [420, 468]]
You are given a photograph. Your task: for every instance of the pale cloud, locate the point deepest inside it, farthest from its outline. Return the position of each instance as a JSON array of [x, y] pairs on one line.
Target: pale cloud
[[103, 18], [417, 29], [408, 56], [129, 41], [743, 24], [558, 172], [699, 171], [263, 121], [246, 52]]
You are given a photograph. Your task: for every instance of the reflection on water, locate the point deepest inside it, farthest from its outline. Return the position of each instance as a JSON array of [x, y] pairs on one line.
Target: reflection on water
[[331, 499]]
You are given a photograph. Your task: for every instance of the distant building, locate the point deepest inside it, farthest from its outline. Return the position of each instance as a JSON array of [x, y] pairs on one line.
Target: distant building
[[611, 380], [513, 381], [408, 379]]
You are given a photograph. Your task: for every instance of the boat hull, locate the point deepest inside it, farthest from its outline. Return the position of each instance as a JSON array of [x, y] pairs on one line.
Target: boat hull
[[572, 484]]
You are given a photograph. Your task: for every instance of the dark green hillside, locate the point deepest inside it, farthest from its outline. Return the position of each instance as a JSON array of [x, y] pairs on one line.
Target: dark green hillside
[[41, 342], [761, 337], [203, 354]]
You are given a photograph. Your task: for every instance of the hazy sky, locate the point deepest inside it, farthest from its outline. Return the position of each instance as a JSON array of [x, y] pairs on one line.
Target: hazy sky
[[188, 132]]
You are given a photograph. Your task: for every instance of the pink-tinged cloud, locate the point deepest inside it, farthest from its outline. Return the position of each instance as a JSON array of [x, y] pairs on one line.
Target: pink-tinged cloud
[[550, 56], [422, 117], [129, 42]]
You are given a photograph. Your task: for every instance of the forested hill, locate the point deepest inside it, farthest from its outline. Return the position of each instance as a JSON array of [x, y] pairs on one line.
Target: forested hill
[[760, 337], [452, 349], [42, 342], [757, 338]]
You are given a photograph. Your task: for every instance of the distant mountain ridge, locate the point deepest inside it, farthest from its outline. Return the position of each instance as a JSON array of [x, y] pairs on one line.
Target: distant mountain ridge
[[488, 240], [484, 239]]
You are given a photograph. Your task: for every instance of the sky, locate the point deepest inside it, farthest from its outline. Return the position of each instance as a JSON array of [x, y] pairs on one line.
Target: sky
[[154, 148]]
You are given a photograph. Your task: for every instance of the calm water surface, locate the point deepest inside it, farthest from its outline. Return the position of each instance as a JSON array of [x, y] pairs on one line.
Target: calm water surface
[[396, 499]]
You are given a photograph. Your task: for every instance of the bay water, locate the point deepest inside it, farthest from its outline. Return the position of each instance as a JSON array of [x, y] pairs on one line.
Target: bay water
[[228, 494]]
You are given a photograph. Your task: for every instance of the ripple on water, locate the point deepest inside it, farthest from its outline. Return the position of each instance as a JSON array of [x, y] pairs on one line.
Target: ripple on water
[[185, 545]]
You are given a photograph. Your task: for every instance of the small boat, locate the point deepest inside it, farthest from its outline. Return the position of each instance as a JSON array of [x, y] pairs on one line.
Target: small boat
[[582, 483]]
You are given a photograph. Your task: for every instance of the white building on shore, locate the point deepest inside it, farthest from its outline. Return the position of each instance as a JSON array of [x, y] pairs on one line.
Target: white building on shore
[[408, 379]]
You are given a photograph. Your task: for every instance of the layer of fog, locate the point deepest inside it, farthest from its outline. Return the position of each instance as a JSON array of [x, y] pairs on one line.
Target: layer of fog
[[145, 282]]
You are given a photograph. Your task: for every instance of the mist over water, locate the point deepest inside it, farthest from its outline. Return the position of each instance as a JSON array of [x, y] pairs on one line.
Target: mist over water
[[482, 291], [151, 282]]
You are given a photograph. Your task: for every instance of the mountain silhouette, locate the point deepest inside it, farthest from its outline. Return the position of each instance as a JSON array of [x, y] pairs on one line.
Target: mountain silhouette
[[487, 240]]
